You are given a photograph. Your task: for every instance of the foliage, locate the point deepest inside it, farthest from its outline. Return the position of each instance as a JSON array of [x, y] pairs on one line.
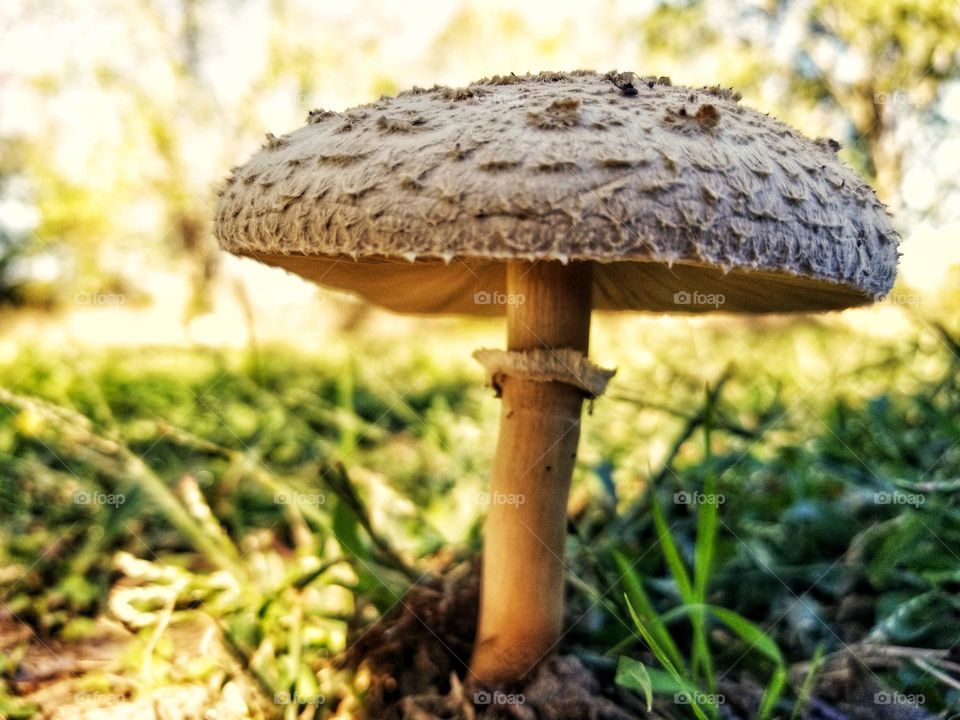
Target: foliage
[[229, 487]]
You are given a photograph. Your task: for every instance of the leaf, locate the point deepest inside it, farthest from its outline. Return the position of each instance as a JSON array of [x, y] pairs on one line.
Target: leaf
[[913, 618], [346, 529], [749, 632], [754, 635], [632, 674]]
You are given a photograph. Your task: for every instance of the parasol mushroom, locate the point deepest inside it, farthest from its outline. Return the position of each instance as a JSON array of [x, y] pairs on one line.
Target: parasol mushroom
[[542, 198]]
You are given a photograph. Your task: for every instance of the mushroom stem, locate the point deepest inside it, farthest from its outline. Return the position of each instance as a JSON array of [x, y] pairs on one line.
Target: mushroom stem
[[521, 605]]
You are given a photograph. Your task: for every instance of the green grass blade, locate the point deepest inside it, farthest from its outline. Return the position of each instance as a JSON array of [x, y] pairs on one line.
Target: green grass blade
[[758, 640], [701, 653], [671, 554], [704, 552], [807, 688], [706, 514], [658, 652], [749, 632], [641, 602], [651, 642], [772, 693]]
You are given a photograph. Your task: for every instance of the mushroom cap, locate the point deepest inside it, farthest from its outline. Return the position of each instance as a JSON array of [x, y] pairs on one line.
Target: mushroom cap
[[684, 200]]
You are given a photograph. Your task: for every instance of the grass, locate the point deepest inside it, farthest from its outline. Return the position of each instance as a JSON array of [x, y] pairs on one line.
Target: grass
[[727, 545], [698, 684]]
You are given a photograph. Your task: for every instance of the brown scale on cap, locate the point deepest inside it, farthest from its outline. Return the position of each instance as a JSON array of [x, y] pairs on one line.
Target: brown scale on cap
[[318, 116], [341, 159], [558, 115], [274, 143], [459, 93], [721, 92], [829, 144], [707, 115], [497, 165], [399, 125], [704, 118]]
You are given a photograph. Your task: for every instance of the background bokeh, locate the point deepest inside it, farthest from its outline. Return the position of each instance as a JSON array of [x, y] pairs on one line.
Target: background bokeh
[[118, 120], [196, 446]]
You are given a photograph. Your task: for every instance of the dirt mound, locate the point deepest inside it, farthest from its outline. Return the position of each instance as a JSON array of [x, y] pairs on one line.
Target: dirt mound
[[417, 657]]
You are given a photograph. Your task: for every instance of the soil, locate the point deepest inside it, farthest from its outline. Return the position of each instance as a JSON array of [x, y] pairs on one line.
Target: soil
[[417, 655], [417, 658]]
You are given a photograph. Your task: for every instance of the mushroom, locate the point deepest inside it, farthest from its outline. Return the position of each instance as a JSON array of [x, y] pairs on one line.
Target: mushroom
[[542, 198]]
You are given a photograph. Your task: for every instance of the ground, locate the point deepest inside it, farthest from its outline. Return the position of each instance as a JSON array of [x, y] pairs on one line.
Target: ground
[[284, 534]]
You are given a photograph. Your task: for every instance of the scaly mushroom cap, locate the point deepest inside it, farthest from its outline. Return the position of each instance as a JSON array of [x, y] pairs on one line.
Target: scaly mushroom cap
[[684, 199]]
